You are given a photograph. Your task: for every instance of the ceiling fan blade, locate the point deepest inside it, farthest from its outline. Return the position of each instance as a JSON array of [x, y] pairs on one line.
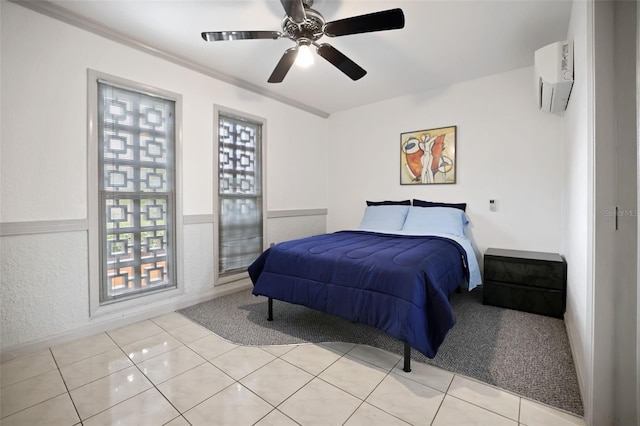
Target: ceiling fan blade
[[240, 35], [391, 19], [294, 10], [340, 61], [284, 65]]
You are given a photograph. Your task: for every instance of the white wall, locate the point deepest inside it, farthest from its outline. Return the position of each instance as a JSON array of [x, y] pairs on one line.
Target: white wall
[[44, 74], [577, 216], [44, 166], [506, 150], [600, 174], [605, 284]]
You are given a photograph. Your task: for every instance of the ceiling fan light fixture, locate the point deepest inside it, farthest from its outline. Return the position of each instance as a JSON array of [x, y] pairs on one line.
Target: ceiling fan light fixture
[[305, 26], [305, 57]]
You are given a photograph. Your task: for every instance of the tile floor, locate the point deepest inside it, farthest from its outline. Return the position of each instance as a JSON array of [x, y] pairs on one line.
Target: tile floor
[[170, 371]]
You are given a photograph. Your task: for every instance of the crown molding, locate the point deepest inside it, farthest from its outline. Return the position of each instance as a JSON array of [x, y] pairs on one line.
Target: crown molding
[[54, 11]]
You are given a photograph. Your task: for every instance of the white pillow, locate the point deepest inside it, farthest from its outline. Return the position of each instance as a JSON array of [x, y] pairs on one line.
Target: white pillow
[[435, 220], [384, 218]]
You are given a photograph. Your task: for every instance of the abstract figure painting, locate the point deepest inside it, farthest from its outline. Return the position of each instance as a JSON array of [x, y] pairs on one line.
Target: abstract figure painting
[[428, 156]]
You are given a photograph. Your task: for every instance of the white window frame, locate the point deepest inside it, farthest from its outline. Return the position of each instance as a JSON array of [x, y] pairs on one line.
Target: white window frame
[[217, 110], [96, 308]]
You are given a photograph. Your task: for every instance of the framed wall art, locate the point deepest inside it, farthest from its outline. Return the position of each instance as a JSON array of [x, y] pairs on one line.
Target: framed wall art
[[428, 156]]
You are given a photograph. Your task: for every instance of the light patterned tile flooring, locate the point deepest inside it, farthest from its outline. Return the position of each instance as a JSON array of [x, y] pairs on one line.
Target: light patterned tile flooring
[[170, 371]]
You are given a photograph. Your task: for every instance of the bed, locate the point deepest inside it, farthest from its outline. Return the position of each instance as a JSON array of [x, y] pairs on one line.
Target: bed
[[395, 272]]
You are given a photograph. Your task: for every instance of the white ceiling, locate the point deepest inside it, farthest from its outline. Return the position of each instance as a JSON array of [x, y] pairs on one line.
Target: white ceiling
[[443, 42]]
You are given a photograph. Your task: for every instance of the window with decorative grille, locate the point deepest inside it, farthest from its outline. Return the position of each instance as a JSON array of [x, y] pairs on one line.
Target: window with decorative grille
[[136, 183], [240, 223]]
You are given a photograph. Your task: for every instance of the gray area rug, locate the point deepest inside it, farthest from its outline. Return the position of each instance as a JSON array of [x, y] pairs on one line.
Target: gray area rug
[[525, 353]]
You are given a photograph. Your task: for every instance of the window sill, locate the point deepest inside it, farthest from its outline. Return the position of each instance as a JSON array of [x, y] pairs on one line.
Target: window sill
[[227, 279], [136, 302]]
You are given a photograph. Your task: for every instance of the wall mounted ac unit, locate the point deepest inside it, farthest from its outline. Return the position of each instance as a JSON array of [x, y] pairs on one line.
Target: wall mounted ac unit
[[553, 68]]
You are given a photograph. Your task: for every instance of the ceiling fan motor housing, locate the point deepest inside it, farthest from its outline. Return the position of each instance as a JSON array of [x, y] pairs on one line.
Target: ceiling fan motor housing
[[310, 29]]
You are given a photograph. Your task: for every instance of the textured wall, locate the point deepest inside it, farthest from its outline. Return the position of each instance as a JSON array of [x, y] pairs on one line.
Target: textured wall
[[44, 287], [199, 258]]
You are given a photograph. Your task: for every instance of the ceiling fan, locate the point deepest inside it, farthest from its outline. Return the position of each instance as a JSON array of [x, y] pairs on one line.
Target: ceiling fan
[[305, 26]]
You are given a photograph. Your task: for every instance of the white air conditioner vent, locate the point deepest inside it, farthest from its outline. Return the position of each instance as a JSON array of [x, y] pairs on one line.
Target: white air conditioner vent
[[553, 70]]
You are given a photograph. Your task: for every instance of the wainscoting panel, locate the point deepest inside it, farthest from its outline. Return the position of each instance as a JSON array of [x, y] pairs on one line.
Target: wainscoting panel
[[287, 227], [45, 277]]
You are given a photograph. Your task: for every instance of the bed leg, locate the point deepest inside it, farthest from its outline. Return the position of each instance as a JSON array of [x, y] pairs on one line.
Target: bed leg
[[270, 313], [407, 358]]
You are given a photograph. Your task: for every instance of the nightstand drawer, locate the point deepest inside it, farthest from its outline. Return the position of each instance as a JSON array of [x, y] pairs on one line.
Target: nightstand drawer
[[524, 298], [528, 281], [544, 275], [529, 272]]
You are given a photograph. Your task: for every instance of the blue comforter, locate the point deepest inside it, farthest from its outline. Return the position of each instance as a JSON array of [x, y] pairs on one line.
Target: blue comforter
[[397, 283]]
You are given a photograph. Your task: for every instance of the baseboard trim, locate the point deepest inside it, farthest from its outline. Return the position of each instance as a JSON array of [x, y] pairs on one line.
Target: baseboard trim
[[573, 344], [112, 324]]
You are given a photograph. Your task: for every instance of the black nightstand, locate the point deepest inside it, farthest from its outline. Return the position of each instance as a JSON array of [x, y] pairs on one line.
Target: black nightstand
[[525, 280]]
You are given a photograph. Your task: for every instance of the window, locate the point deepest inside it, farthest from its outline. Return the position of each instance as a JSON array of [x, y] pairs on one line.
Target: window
[[240, 201], [136, 181]]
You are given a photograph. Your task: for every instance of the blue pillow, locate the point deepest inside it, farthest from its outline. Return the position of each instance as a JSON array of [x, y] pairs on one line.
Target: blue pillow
[[384, 218], [421, 203], [436, 220]]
